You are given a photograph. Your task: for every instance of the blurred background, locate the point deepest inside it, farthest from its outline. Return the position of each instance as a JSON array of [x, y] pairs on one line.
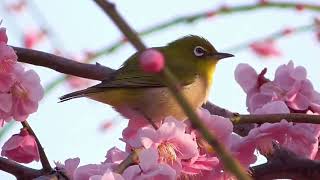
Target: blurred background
[[257, 33]]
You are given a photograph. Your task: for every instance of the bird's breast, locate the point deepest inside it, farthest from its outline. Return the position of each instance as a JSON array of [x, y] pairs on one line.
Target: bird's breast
[[155, 103], [161, 103]]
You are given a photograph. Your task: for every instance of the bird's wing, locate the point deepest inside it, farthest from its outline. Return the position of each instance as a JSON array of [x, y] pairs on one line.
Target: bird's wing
[[130, 75]]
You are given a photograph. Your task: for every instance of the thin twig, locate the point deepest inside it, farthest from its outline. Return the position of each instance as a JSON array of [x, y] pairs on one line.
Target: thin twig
[[43, 158], [110, 10], [189, 19]]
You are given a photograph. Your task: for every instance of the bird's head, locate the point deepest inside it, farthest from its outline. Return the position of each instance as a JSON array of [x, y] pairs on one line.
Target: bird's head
[[193, 55]]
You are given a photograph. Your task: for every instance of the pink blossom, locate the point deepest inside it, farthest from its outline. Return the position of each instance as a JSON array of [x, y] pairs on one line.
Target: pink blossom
[[108, 175], [302, 139], [152, 61], [3, 35], [6, 82], [300, 7], [199, 164], [77, 82], [289, 85], [17, 6], [246, 77], [136, 121], [32, 37], [8, 58], [69, 166], [21, 148], [275, 107], [243, 150], [106, 126], [268, 133], [222, 128], [5, 107], [293, 83], [26, 93], [149, 168], [92, 170], [171, 140], [115, 155], [219, 126], [287, 31], [265, 48], [251, 82]]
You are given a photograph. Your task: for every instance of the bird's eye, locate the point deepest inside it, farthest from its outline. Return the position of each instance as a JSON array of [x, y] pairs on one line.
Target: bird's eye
[[199, 51]]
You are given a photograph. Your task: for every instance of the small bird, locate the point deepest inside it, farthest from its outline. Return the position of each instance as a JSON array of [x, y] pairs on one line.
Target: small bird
[[192, 59]]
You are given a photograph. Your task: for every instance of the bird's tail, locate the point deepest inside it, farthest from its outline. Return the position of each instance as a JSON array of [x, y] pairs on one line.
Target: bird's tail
[[78, 94]]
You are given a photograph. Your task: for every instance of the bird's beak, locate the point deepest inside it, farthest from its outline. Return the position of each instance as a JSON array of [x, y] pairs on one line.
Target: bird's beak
[[219, 55]]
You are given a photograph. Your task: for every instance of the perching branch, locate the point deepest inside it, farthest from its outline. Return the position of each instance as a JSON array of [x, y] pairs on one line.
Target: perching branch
[[274, 118]]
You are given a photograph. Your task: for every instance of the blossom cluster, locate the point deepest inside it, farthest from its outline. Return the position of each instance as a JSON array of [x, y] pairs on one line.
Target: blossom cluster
[[289, 92], [20, 92], [20, 89], [176, 150], [173, 150]]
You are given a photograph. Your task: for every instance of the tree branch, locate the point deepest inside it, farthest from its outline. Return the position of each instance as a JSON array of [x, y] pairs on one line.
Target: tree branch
[[286, 165], [18, 170], [62, 65], [273, 118]]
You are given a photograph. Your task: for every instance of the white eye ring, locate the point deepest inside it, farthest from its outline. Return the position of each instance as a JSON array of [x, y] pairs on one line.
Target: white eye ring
[[199, 51]]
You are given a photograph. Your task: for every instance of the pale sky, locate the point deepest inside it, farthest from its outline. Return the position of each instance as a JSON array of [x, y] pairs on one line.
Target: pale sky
[[71, 129]]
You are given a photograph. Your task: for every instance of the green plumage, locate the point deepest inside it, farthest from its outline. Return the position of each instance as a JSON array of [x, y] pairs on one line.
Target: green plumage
[[144, 92]]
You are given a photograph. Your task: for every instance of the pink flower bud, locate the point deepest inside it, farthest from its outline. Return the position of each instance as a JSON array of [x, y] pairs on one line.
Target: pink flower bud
[[33, 37], [151, 61], [266, 48], [3, 35], [17, 6], [287, 31], [211, 14], [21, 147], [300, 7], [263, 2]]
